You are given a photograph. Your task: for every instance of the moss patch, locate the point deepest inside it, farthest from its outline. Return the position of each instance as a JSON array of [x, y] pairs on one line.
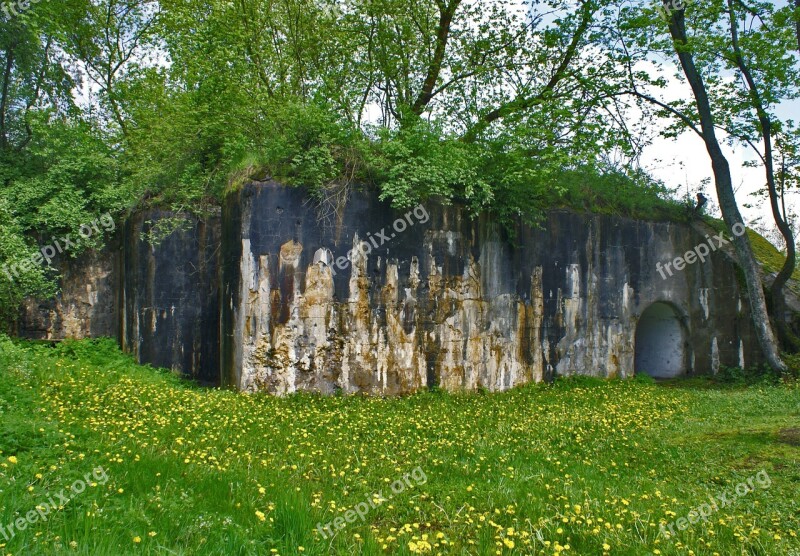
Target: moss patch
[[768, 256]]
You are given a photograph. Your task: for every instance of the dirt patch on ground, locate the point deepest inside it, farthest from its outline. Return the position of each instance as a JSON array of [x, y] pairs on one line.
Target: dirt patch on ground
[[789, 436]]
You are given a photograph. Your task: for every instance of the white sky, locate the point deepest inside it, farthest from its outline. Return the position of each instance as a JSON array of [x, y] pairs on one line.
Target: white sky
[[683, 162]]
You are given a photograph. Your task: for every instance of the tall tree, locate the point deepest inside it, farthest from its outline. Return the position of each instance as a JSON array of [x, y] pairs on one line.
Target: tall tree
[[724, 184], [766, 128], [108, 39]]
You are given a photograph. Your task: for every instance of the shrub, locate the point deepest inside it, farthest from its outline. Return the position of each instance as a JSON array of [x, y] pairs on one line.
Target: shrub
[[760, 373]]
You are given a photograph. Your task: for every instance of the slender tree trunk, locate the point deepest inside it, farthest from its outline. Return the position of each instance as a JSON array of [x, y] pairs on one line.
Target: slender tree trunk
[[778, 299], [724, 185], [4, 96], [778, 286], [797, 21]]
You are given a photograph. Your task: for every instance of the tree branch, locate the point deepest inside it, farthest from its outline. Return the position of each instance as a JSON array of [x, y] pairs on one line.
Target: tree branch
[[674, 111], [522, 103], [446, 13]]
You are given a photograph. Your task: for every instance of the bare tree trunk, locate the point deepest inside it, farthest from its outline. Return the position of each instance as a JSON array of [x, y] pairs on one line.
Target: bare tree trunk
[[724, 186]]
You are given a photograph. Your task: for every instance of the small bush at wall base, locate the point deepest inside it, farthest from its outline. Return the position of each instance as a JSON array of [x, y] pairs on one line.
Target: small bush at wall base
[[644, 378], [792, 361], [760, 374]]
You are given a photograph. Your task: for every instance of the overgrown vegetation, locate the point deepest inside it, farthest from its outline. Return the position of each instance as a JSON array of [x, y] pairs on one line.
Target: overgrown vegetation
[[583, 466], [510, 107], [761, 374], [767, 254], [481, 103]]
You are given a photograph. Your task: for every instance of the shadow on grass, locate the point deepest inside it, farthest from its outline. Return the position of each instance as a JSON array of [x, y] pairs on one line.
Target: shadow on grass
[[700, 383]]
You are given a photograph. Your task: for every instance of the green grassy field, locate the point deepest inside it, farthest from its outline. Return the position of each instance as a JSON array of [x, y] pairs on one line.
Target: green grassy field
[[578, 467]]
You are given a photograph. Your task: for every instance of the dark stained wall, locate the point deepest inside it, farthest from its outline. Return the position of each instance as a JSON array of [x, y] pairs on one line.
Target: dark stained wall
[[263, 297], [453, 302], [170, 296]]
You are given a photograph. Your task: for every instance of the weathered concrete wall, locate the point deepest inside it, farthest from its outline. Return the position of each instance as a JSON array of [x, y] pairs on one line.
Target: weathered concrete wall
[[452, 302], [161, 302], [86, 305], [263, 298], [170, 296]]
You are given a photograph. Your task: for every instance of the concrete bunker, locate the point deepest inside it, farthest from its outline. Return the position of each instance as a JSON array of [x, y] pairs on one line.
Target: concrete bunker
[[661, 350], [449, 301]]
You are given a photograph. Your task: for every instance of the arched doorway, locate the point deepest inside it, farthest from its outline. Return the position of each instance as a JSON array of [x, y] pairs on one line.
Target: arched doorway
[[660, 342]]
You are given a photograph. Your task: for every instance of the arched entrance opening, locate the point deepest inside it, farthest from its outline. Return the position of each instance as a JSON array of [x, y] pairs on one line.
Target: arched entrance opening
[[660, 342]]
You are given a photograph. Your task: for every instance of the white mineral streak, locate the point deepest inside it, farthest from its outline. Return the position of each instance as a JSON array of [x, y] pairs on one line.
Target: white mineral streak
[[741, 354], [704, 301], [592, 343], [470, 330], [714, 355]]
